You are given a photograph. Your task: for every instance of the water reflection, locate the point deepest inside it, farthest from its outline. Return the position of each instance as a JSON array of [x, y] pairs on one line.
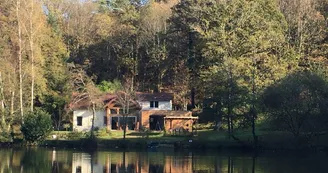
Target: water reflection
[[41, 160]]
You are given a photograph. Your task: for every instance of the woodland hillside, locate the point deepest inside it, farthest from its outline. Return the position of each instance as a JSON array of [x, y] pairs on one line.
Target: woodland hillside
[[239, 61]]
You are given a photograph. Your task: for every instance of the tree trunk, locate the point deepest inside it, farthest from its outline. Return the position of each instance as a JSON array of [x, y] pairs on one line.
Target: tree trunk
[[230, 128], [11, 114], [229, 121], [32, 55], [125, 114], [2, 104], [20, 59], [253, 112], [124, 126], [193, 97], [93, 119], [108, 123]]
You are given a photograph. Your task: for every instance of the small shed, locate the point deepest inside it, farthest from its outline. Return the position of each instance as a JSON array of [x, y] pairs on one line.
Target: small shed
[[159, 120]]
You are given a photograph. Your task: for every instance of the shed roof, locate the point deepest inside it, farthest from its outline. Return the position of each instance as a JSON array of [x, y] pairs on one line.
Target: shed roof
[[180, 117]]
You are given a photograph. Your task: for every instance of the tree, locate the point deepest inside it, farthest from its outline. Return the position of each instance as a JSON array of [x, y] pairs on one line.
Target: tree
[[85, 90], [244, 39], [298, 103], [152, 36], [37, 126], [110, 87], [19, 53], [306, 25], [126, 98]]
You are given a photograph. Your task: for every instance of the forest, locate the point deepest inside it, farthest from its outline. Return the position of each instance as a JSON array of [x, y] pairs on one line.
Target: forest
[[237, 63]]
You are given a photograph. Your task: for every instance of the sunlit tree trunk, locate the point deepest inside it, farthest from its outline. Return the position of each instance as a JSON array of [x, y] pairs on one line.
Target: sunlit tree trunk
[[93, 118], [19, 52], [2, 104], [32, 54], [11, 114]]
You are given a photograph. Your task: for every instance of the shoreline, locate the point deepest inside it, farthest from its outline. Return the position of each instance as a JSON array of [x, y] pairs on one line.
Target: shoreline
[[165, 144]]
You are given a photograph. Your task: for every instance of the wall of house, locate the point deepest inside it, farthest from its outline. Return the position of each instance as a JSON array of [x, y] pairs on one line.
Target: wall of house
[[144, 118], [87, 120], [162, 105], [178, 125]]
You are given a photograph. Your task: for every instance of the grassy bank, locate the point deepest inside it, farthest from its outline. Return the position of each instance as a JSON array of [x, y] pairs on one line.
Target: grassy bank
[[204, 139]]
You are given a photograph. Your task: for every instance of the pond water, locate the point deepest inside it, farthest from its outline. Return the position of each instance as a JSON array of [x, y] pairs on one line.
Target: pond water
[[50, 160]]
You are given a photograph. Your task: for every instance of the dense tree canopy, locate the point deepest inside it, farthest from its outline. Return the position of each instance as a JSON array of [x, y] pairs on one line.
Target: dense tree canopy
[[298, 103], [228, 51]]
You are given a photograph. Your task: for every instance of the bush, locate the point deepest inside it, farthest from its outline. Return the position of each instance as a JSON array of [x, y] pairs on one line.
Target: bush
[[37, 126], [102, 132]]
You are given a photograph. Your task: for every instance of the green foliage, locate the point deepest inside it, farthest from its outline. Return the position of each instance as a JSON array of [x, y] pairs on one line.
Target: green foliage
[[5, 137], [37, 126], [110, 87], [75, 135], [102, 132], [298, 103], [55, 106]]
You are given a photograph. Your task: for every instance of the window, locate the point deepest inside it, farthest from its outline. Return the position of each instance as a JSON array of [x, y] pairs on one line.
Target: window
[[79, 121], [78, 169], [154, 104], [118, 121], [105, 120], [113, 111]]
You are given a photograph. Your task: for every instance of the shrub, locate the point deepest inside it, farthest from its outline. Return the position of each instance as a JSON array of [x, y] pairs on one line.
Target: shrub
[[37, 126], [102, 132], [66, 126]]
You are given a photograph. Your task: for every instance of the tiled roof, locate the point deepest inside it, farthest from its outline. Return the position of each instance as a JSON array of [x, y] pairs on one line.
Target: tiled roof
[[85, 103], [154, 96]]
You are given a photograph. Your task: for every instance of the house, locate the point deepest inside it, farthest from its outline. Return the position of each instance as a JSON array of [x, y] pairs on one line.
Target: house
[[157, 113], [82, 113], [108, 114], [150, 110]]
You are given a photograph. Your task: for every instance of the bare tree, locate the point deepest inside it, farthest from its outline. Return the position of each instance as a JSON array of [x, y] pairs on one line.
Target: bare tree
[[126, 98], [85, 91], [31, 42], [19, 52]]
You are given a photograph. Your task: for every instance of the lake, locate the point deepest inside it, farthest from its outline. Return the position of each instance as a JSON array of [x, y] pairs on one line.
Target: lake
[[51, 160]]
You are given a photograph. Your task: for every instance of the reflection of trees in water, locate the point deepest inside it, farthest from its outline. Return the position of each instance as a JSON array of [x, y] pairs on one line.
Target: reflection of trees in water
[[31, 160], [44, 160], [253, 163], [156, 168], [244, 168], [244, 164], [230, 165]]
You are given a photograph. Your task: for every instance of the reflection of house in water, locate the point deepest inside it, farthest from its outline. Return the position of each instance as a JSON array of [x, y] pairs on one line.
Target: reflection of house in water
[[130, 162], [83, 163]]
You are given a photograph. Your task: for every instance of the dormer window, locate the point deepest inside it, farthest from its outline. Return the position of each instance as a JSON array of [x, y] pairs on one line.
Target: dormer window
[[154, 104]]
